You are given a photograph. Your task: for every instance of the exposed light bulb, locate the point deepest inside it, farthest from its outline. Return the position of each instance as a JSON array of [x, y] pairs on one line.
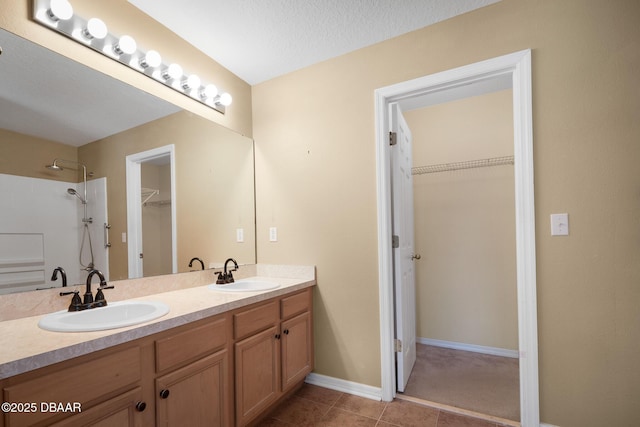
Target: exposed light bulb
[[209, 92], [151, 59], [173, 71], [191, 82], [126, 45], [60, 9], [224, 99], [95, 29]]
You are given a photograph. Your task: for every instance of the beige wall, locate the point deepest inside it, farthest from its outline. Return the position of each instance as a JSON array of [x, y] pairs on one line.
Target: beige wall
[[465, 223], [25, 155], [315, 155], [122, 17]]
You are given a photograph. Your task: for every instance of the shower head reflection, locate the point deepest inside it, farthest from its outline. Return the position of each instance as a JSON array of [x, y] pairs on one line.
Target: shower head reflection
[[75, 193]]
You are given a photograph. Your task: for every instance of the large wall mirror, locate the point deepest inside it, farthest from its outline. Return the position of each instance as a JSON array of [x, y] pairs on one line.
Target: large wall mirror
[[196, 203]]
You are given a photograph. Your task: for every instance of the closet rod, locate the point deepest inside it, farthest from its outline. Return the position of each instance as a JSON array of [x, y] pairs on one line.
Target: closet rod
[[470, 164], [158, 203]]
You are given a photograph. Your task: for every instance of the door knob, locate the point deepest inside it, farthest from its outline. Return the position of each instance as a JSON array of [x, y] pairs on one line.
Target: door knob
[[415, 256]]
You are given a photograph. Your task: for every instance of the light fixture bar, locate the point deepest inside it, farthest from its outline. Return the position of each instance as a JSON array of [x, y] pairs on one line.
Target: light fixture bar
[[59, 16]]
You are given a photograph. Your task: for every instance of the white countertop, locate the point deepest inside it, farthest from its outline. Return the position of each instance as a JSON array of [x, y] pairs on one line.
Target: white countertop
[[25, 347]]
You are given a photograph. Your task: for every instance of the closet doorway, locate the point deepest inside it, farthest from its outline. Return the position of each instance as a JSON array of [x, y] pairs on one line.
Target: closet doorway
[[464, 210], [151, 212], [513, 71]]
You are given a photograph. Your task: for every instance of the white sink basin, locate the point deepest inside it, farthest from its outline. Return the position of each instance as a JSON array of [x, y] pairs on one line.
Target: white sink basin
[[245, 286], [115, 315]]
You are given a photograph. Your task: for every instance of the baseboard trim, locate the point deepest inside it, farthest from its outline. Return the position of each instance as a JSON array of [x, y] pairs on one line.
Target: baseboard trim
[[345, 386], [548, 425], [495, 351]]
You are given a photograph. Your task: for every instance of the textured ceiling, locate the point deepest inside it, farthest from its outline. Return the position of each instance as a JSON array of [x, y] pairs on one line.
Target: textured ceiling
[[261, 39]]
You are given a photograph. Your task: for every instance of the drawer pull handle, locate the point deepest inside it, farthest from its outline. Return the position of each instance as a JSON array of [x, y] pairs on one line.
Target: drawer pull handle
[[141, 406], [164, 393]]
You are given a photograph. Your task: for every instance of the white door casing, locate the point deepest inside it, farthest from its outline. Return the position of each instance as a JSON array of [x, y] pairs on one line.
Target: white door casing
[[517, 68], [404, 273]]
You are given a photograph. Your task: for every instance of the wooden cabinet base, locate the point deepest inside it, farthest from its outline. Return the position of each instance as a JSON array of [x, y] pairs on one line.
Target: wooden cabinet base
[[273, 353], [230, 369]]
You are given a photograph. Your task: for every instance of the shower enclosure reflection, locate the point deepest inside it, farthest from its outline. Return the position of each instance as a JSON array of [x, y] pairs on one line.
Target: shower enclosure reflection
[[85, 241], [43, 228]]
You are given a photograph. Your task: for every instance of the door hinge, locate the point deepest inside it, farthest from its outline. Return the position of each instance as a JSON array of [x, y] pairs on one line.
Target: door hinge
[[395, 241], [393, 138], [398, 345]]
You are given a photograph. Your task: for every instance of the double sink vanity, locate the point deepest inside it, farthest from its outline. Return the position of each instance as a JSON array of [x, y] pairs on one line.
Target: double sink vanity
[[185, 352]]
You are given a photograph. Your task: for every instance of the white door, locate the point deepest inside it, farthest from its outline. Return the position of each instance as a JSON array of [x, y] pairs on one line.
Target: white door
[[404, 274]]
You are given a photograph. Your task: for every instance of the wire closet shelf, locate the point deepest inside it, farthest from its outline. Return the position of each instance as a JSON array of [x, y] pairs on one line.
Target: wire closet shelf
[[469, 164]]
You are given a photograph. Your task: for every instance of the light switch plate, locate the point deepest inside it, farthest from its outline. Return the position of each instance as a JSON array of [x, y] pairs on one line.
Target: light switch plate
[[560, 224], [273, 234], [239, 235]]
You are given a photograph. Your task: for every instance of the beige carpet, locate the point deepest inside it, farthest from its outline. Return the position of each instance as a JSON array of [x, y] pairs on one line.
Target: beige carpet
[[477, 382]]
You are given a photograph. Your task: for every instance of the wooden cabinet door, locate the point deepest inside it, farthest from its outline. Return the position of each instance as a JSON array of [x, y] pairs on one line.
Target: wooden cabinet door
[[297, 350], [196, 395], [257, 374], [122, 411]]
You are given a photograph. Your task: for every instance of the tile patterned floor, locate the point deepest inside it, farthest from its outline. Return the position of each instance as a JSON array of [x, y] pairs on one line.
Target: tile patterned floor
[[315, 406]]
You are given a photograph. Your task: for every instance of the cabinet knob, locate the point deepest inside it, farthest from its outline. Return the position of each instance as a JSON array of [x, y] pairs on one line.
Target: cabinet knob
[[277, 336], [141, 406], [164, 393], [286, 332]]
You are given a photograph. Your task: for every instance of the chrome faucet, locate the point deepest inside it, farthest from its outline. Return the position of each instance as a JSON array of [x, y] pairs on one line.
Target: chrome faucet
[[196, 259], [227, 277], [54, 276]]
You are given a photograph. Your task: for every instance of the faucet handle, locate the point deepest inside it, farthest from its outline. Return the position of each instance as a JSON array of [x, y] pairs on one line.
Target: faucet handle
[[76, 302], [62, 294], [100, 301], [222, 278]]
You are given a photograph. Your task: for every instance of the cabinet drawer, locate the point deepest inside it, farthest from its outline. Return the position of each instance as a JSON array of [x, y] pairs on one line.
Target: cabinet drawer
[[255, 319], [83, 383], [191, 344], [295, 304]]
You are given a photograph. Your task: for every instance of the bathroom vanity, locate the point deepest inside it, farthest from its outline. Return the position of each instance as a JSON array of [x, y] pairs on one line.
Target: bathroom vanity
[[226, 360]]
